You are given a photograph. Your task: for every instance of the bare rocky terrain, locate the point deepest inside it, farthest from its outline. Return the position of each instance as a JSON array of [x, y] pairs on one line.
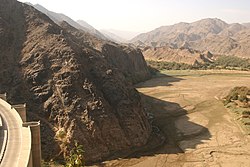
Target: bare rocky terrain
[[213, 35], [181, 55], [78, 85]]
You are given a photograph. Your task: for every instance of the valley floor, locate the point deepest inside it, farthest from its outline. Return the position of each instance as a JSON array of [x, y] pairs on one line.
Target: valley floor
[[199, 131]]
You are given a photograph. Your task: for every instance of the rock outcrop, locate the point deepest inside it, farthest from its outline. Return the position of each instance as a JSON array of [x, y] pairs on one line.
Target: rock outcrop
[[77, 85], [126, 58], [179, 55]]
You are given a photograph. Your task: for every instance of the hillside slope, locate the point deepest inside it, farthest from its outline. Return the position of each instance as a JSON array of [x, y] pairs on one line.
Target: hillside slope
[[112, 36], [181, 55], [80, 24], [73, 82], [212, 35]]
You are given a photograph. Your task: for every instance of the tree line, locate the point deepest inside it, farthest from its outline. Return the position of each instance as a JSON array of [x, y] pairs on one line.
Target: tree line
[[222, 62]]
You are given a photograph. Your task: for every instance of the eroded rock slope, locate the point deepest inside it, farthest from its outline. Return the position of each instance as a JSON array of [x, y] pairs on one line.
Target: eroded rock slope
[[79, 86], [211, 34]]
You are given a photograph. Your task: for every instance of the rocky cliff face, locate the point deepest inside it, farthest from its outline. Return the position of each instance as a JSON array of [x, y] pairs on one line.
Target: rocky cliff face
[[73, 82], [130, 61], [126, 58]]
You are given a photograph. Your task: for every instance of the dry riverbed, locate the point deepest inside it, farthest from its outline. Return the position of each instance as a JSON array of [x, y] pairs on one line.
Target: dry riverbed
[[199, 131]]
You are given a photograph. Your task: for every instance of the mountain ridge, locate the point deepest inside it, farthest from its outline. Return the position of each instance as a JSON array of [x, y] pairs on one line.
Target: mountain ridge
[[113, 36], [81, 85], [59, 17], [200, 35]]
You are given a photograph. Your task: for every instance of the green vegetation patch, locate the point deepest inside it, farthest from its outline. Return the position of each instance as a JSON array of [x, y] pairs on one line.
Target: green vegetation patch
[[227, 62], [222, 62], [238, 102], [239, 93], [75, 159], [163, 65]]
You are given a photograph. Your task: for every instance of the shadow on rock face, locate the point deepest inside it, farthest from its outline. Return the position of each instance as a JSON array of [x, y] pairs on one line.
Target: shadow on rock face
[[173, 130], [162, 80]]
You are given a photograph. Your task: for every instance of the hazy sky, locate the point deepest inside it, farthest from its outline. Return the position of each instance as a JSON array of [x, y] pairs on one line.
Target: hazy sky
[[146, 15]]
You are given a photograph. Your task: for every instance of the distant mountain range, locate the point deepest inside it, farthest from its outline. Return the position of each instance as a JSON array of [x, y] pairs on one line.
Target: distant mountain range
[[112, 36], [246, 25], [210, 34], [80, 24], [126, 35]]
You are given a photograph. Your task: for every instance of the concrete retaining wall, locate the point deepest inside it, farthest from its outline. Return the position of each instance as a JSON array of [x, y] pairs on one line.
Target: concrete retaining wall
[[30, 154], [4, 139], [21, 109], [36, 142]]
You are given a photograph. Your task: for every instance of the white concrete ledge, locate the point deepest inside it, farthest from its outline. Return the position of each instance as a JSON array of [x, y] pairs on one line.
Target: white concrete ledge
[[18, 149], [1, 123], [4, 139], [26, 147]]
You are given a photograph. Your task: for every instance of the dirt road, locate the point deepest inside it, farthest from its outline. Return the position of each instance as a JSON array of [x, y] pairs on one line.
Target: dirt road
[[199, 131]]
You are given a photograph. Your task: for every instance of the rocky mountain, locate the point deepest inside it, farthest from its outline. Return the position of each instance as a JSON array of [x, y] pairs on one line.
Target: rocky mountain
[[91, 29], [246, 25], [80, 24], [127, 35], [180, 55], [86, 25], [212, 35], [112, 36], [238, 45], [78, 85]]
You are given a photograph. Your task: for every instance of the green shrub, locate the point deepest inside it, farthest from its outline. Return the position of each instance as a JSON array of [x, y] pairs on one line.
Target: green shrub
[[238, 93], [232, 61], [162, 65], [223, 62], [75, 158]]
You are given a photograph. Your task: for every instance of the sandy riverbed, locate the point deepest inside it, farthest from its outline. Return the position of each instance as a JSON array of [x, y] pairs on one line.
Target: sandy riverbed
[[199, 131]]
